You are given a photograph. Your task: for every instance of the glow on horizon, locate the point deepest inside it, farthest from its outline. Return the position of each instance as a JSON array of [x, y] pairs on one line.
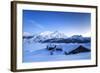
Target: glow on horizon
[[88, 34], [49, 32]]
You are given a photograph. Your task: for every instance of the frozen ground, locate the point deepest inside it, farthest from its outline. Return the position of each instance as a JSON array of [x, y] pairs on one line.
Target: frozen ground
[[37, 52]]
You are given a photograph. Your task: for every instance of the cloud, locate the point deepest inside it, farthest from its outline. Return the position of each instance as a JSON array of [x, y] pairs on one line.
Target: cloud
[[36, 24]]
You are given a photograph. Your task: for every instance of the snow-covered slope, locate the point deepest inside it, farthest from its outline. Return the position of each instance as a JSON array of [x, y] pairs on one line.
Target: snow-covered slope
[[45, 58], [37, 52]]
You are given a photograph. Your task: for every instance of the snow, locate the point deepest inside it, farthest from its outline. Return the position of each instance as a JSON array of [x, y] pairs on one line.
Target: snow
[[37, 52], [45, 57], [45, 33], [54, 34]]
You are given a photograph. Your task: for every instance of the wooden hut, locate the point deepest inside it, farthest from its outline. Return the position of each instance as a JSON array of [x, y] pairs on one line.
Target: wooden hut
[[79, 50]]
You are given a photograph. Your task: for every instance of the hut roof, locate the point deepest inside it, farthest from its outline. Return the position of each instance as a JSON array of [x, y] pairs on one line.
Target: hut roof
[[79, 50]]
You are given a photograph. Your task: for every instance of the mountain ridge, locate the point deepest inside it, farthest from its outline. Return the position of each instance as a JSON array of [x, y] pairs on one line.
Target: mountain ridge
[[56, 37]]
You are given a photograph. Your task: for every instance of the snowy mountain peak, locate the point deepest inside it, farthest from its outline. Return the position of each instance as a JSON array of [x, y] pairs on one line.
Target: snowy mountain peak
[[55, 34], [45, 33], [77, 37]]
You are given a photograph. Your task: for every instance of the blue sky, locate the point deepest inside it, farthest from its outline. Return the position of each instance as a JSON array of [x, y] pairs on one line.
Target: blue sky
[[70, 23]]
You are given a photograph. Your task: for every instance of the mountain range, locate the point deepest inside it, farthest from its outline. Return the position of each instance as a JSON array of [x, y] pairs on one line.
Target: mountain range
[[56, 37]]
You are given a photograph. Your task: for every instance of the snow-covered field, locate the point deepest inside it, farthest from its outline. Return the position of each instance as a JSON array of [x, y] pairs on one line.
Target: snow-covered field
[[37, 52]]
